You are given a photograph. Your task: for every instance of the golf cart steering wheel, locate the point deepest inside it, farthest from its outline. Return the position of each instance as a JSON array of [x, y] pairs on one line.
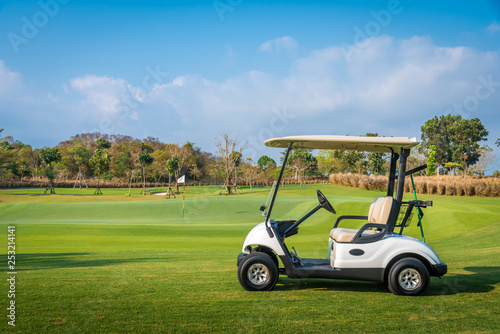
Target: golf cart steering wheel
[[324, 202]]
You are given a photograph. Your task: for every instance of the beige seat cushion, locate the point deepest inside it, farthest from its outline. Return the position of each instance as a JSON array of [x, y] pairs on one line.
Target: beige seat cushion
[[346, 234], [378, 214], [380, 210]]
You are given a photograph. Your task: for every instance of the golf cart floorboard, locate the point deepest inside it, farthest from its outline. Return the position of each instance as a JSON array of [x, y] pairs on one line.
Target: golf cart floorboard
[[321, 268], [315, 264]]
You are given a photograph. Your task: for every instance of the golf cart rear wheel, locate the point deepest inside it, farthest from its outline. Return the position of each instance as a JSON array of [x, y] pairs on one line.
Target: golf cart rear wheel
[[409, 277], [258, 272]]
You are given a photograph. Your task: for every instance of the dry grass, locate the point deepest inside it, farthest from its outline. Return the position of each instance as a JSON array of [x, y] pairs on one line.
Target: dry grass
[[359, 181], [435, 185]]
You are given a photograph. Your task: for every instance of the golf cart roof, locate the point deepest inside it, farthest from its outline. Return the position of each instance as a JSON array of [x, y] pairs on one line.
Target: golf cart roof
[[356, 143]]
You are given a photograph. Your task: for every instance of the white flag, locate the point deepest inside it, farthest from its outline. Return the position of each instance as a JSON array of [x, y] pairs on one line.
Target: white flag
[[182, 179]]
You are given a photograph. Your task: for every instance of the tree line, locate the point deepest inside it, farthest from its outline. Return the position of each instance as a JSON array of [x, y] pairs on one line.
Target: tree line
[[449, 144]]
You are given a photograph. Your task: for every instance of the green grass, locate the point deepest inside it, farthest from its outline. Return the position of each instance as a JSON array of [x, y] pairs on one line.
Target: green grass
[[119, 264]]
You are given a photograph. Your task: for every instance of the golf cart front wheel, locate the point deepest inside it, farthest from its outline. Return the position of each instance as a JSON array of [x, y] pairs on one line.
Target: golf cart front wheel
[[409, 277], [258, 272]]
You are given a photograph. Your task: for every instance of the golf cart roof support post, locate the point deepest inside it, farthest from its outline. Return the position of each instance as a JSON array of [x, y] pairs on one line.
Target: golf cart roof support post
[[278, 184], [391, 224], [392, 174], [401, 174]]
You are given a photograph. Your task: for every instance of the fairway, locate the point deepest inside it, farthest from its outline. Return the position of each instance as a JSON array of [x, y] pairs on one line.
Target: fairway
[[120, 264]]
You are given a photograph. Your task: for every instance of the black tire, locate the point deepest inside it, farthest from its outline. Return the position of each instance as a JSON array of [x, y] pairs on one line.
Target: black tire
[[269, 252], [408, 277], [258, 272]]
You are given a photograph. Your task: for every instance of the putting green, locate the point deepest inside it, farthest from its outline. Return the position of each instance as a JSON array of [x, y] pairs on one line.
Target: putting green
[[123, 264]]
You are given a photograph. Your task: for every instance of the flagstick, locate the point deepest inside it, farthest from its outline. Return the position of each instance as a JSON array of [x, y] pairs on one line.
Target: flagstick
[[183, 196]]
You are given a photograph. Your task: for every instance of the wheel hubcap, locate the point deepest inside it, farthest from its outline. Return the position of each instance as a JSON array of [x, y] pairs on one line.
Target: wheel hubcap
[[409, 279], [258, 274]]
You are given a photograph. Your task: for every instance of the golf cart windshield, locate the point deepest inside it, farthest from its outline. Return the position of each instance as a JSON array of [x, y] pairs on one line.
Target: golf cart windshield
[[265, 208]]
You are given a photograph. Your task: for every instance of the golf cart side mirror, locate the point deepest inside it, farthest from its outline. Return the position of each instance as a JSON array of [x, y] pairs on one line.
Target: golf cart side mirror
[[262, 208]]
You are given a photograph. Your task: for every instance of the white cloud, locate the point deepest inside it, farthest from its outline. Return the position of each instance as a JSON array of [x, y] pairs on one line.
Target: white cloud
[[391, 87], [286, 44], [389, 78], [9, 81], [107, 95], [52, 98], [493, 27]]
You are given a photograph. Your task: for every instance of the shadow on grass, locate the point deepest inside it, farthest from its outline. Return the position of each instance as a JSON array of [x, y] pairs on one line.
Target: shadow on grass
[[45, 195], [285, 284], [481, 280], [40, 261]]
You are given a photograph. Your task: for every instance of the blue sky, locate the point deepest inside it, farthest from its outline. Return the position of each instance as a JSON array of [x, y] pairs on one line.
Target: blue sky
[[188, 70]]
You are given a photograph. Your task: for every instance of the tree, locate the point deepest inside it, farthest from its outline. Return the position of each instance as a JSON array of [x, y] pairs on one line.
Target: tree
[[22, 157], [15, 158], [185, 154], [328, 162], [264, 161], [467, 133], [498, 142], [417, 158], [196, 172], [306, 156], [34, 162], [438, 131], [455, 139], [99, 164], [161, 156], [236, 157], [431, 161], [376, 160], [299, 166], [18, 159], [103, 144], [302, 162], [50, 156], [6, 153], [352, 161], [123, 163], [226, 146], [172, 167], [250, 172], [488, 158], [145, 159], [214, 171], [81, 156], [452, 166]]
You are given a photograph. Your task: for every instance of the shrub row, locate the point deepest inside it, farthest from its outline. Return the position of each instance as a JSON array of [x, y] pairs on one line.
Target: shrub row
[[435, 185], [91, 184], [117, 184]]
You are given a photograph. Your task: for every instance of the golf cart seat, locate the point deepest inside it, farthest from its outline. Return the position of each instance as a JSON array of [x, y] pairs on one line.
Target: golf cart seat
[[378, 215]]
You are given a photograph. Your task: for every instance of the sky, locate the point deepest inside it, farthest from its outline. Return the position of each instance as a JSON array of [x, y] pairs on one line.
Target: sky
[[189, 70]]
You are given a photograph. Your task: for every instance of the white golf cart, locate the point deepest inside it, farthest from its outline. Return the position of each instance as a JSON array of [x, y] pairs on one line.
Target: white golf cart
[[378, 251]]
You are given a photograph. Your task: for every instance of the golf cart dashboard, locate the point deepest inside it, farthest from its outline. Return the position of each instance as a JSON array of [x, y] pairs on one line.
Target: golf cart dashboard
[[285, 227]]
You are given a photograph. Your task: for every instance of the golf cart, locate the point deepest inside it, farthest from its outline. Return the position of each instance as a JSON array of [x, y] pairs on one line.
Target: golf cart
[[377, 252]]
